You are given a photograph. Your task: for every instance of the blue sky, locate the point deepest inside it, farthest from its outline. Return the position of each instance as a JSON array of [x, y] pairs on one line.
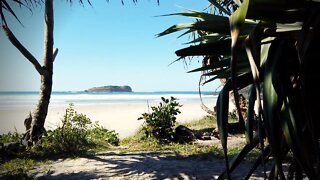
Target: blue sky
[[107, 44]]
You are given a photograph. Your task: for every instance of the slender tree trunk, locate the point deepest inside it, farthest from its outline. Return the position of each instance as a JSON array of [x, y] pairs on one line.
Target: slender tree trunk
[[34, 123], [40, 113]]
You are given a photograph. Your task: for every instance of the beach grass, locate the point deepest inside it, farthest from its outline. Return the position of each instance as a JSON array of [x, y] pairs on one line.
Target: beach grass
[[138, 143]]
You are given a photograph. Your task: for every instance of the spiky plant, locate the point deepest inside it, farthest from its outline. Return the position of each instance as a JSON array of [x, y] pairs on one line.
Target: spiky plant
[[270, 46]]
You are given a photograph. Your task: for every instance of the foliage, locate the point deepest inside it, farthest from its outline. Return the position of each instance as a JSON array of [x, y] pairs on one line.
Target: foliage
[[8, 5], [138, 143], [161, 121], [10, 137], [76, 134], [271, 48], [71, 136], [16, 169], [99, 134]]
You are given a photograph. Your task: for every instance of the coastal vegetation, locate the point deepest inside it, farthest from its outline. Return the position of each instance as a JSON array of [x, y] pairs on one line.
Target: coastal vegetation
[[160, 122], [269, 47], [78, 136]]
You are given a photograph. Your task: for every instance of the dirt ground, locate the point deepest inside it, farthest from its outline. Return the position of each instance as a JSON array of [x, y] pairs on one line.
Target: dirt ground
[[112, 165], [164, 165]]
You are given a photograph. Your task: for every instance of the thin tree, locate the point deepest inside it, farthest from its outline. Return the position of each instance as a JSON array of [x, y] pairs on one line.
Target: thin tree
[[35, 121]]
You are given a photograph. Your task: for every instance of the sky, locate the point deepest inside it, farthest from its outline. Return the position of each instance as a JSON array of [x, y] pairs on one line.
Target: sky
[[106, 44]]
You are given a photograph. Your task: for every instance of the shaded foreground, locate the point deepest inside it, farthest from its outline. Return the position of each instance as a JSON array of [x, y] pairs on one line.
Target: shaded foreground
[[165, 165]]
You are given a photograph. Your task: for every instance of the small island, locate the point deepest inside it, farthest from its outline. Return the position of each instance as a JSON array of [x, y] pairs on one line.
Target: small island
[[110, 89]]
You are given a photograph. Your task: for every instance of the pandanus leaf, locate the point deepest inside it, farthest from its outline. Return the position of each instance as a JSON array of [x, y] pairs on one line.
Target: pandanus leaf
[[220, 76], [215, 72], [218, 64], [237, 20], [293, 136], [278, 11], [210, 38], [175, 28], [210, 26], [4, 5], [216, 4], [217, 48], [272, 100], [253, 49], [222, 120], [202, 16], [223, 109], [252, 96], [236, 160], [264, 156]]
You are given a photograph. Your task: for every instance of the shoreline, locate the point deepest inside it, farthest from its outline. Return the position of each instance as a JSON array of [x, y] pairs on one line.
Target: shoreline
[[122, 118]]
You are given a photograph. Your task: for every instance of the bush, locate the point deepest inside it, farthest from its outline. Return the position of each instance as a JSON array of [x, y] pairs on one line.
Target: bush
[[10, 137], [100, 134], [77, 133], [159, 124]]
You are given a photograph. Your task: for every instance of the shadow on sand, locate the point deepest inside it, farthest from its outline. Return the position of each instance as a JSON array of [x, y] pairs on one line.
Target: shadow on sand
[[140, 166]]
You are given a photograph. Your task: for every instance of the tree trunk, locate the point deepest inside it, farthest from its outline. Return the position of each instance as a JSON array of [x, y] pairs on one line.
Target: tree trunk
[[40, 113]]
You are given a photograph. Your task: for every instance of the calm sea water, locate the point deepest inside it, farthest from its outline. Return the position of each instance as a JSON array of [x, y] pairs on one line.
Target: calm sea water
[[29, 99]]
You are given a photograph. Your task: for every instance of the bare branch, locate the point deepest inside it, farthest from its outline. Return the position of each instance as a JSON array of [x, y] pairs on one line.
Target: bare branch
[[22, 49]]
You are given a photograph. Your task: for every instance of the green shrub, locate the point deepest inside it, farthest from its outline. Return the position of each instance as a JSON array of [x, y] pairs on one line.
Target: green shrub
[[76, 134], [100, 135], [17, 169], [159, 124], [10, 137]]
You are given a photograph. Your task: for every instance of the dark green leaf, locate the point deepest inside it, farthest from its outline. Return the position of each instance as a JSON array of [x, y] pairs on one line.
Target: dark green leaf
[[222, 119], [202, 16], [216, 4], [236, 160], [218, 48], [250, 113], [218, 64]]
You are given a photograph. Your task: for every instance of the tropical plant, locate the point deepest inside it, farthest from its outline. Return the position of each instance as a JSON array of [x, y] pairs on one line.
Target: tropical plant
[[271, 47], [161, 121]]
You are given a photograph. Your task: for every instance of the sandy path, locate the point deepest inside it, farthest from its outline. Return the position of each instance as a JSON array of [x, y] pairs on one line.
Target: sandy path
[[113, 165]]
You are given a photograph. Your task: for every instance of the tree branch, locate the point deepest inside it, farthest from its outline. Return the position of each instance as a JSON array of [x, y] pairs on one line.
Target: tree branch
[[22, 49], [55, 52]]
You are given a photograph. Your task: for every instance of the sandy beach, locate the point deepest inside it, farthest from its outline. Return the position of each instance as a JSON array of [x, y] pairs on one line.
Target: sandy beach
[[119, 117]]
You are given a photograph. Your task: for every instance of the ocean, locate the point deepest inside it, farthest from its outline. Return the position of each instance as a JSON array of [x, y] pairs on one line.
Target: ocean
[[29, 99], [116, 111]]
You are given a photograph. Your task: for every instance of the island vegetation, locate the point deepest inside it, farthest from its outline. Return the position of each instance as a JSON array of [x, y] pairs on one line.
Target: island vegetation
[[110, 89]]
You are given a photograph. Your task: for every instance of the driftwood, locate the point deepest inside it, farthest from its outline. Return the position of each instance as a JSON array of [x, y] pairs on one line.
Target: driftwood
[[185, 135]]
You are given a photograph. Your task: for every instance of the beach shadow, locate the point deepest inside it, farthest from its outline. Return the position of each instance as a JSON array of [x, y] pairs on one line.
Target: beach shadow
[[112, 165]]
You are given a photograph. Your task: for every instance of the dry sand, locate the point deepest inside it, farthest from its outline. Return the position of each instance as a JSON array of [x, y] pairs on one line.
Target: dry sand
[[119, 117]]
